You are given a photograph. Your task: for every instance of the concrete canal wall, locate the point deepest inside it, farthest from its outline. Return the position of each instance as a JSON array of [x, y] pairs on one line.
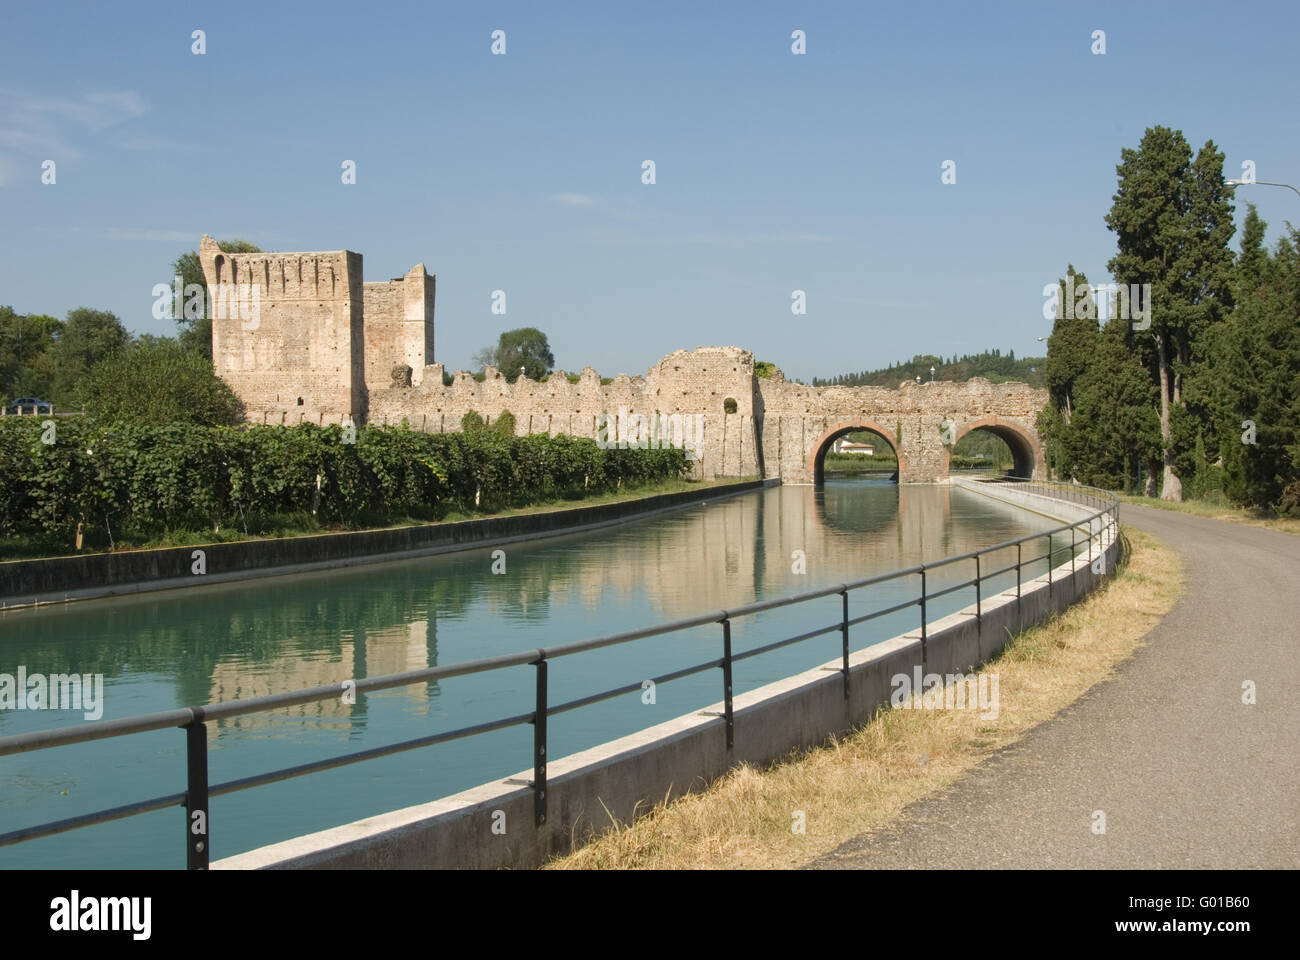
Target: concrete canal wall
[[28, 583], [625, 776]]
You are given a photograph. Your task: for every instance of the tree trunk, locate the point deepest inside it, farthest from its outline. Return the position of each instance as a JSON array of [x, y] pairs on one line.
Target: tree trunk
[[1178, 377], [1171, 488]]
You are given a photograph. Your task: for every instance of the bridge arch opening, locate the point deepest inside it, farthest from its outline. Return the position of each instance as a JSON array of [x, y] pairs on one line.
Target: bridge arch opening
[[844, 444], [1002, 449]]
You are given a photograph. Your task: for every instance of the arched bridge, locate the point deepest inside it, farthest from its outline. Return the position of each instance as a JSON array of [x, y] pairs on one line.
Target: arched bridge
[[919, 422], [741, 424]]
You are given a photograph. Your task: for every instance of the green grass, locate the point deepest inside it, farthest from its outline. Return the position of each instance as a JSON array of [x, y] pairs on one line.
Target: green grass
[[852, 463], [1217, 508]]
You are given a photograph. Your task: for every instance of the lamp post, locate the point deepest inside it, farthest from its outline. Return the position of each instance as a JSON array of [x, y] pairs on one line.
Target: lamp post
[[1270, 183]]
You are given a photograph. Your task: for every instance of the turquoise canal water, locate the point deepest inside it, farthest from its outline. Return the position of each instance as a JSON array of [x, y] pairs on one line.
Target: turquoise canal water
[[224, 642]]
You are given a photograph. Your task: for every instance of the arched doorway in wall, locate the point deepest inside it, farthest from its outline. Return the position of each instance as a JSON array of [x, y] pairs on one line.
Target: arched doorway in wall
[[993, 448], [855, 448]]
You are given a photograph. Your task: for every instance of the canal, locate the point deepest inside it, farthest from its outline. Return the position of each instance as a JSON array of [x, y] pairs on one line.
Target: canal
[[223, 642]]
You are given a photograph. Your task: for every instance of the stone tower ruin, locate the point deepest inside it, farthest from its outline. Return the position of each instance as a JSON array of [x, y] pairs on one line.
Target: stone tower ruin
[[301, 338]]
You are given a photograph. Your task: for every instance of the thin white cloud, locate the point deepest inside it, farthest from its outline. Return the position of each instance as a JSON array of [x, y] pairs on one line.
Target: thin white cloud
[[93, 111], [46, 127], [573, 200]]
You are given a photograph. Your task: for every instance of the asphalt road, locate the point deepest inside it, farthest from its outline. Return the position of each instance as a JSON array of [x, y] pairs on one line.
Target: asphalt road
[[1187, 775]]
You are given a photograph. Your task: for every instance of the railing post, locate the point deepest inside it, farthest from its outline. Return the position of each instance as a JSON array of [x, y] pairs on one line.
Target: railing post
[[1074, 584], [197, 836], [1020, 609], [979, 611], [726, 682], [923, 627], [844, 634], [539, 748], [1049, 570]]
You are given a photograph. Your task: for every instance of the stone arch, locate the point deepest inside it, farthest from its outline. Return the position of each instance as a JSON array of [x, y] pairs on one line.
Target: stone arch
[[1026, 451], [817, 452]]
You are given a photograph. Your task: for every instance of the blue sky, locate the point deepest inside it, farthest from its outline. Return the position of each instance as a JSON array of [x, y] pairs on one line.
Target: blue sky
[[522, 172]]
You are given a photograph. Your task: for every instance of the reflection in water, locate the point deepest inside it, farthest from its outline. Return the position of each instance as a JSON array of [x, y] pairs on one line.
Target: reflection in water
[[260, 637], [396, 649]]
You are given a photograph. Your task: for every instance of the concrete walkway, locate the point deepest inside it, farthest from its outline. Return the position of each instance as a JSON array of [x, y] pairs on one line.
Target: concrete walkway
[[1186, 774]]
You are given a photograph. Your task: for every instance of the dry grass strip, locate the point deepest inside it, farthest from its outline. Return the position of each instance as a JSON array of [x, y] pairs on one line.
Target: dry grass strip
[[861, 782]]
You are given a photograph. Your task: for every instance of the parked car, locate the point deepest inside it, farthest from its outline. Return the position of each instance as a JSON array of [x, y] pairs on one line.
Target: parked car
[[26, 404]]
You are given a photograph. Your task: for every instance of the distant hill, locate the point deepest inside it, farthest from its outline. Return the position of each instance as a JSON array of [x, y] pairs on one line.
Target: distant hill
[[991, 365]]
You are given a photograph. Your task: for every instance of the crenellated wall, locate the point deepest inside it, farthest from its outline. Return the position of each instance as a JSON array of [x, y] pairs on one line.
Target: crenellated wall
[[287, 332], [693, 383], [324, 347]]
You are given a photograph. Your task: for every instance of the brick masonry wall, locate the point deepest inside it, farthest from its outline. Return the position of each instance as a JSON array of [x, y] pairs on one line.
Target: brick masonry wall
[[398, 327], [325, 347], [305, 341], [800, 420], [694, 383]]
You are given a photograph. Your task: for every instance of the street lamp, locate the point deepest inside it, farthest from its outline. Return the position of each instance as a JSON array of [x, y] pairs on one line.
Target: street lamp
[[1271, 183]]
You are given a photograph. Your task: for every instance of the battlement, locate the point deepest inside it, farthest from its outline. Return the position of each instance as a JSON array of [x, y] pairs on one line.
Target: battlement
[[321, 346], [307, 337]]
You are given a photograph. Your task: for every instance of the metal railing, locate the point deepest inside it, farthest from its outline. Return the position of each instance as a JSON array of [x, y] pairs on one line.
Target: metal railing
[[193, 720]]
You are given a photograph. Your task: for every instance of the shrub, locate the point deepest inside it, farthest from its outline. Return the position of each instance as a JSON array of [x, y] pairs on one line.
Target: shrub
[[142, 481], [157, 383], [505, 424]]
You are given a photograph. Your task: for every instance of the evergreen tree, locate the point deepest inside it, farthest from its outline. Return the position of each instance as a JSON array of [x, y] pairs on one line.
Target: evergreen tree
[[1253, 364], [1173, 221], [1073, 342]]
